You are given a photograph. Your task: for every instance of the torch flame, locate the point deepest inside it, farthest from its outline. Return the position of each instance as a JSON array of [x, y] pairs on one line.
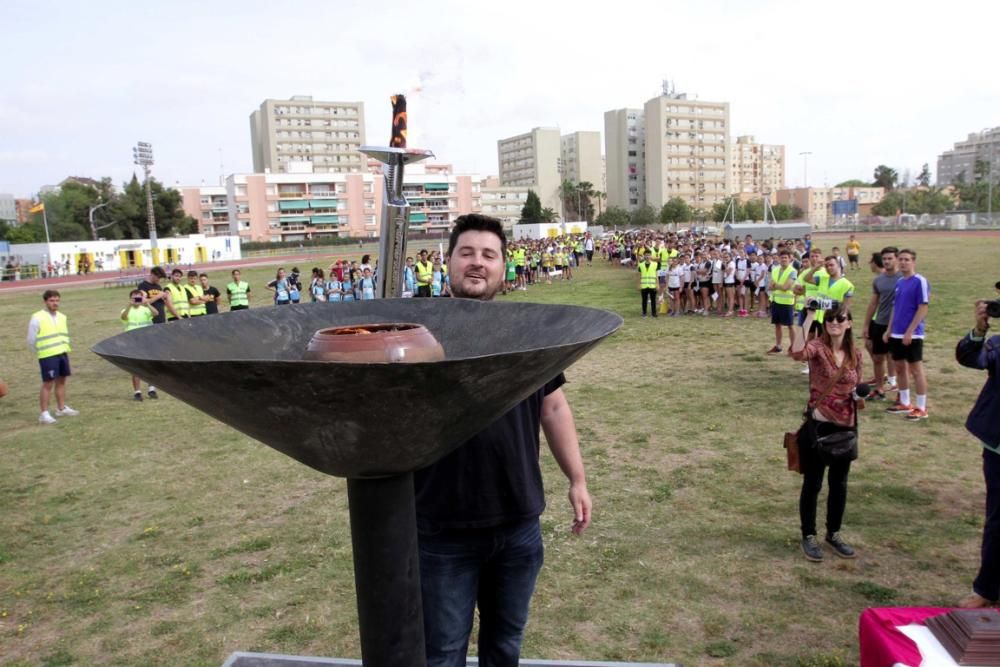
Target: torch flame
[[398, 121]]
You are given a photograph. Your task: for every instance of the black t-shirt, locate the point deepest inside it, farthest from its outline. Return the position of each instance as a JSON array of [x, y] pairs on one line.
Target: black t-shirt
[[493, 478], [153, 290], [212, 307]]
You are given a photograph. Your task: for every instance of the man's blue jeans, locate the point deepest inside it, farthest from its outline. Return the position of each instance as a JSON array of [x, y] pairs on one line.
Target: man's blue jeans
[[492, 568]]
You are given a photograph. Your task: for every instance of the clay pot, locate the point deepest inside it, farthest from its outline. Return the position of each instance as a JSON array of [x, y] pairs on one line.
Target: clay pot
[[375, 343]]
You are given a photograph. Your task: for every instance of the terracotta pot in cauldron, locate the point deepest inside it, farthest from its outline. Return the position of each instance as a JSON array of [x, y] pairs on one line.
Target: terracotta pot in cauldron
[[375, 343]]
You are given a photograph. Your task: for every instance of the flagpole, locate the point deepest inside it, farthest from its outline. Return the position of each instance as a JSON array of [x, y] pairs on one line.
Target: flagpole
[[45, 221]]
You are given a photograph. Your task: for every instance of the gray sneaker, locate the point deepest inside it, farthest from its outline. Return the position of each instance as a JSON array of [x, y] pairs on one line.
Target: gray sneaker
[[840, 547], [811, 548]]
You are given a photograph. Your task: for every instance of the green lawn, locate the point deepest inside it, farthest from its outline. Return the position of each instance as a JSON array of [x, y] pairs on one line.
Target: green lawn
[[149, 534]]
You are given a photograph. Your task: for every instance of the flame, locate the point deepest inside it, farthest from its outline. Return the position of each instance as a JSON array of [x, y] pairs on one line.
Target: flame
[[398, 121]]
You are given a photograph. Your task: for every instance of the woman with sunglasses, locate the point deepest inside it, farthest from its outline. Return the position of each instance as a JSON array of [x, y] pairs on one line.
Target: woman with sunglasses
[[834, 371]]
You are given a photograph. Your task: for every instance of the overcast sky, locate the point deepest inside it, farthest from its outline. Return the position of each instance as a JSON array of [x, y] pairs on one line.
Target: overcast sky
[[856, 83]]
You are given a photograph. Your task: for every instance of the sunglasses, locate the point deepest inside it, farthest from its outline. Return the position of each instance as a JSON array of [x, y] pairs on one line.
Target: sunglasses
[[840, 319]]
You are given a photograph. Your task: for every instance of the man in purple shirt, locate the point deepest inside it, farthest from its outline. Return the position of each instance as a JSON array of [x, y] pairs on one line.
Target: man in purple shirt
[[906, 337]]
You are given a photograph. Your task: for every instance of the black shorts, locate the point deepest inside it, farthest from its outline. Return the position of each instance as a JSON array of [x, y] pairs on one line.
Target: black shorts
[[748, 284], [875, 333], [782, 314], [911, 353], [674, 290], [55, 367], [519, 270]]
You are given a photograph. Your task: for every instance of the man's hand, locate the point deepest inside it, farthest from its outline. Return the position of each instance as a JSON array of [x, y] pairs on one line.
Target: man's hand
[[885, 336], [579, 498], [907, 338], [982, 319]]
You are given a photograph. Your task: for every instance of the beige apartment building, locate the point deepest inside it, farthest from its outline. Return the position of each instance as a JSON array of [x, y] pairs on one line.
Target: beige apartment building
[[531, 160], [301, 129], [756, 169], [817, 203], [581, 159], [625, 155], [502, 201], [687, 151], [301, 205]]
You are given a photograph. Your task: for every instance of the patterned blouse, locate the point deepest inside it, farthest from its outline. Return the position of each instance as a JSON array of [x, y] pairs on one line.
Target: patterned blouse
[[838, 405]]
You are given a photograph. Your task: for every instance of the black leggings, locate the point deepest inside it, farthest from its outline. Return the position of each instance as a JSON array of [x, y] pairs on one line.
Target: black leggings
[[649, 293], [813, 468]]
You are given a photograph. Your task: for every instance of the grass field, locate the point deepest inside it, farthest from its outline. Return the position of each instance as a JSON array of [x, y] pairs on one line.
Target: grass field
[[149, 534]]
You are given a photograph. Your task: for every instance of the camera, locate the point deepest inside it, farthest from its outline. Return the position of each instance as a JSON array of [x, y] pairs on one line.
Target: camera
[[820, 303], [993, 308], [137, 299]]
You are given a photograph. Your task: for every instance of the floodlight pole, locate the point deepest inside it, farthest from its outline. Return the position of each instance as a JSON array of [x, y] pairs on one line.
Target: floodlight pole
[[143, 156], [90, 216]]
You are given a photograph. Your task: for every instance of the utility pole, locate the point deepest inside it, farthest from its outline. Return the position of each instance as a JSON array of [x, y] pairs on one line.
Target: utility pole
[[90, 216], [805, 168], [143, 156]]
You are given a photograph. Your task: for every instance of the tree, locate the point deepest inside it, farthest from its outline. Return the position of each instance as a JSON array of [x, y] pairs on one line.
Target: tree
[[26, 233], [753, 210], [924, 178], [644, 216], [568, 195], [549, 215], [675, 210], [720, 210], [853, 183], [981, 170], [885, 177], [587, 192], [782, 212], [932, 201], [600, 197], [531, 212], [613, 217]]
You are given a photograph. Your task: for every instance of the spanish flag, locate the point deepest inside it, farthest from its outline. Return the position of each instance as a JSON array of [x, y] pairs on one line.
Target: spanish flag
[[37, 208]]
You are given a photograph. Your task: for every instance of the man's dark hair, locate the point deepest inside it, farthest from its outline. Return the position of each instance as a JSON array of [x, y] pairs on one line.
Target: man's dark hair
[[192, 274], [177, 272], [890, 249], [158, 272], [877, 259], [203, 275], [49, 293], [907, 251], [478, 223]]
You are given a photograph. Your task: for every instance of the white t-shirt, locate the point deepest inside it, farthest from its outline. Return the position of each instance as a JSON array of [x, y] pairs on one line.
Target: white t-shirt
[[686, 267], [730, 273], [717, 271], [674, 277]]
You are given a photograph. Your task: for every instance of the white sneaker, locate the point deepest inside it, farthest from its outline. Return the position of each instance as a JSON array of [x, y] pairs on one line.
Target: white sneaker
[[805, 370], [46, 418], [67, 412]]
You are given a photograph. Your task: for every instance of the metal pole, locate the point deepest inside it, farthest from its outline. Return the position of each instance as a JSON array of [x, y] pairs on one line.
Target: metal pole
[[151, 219], [90, 216], [45, 221]]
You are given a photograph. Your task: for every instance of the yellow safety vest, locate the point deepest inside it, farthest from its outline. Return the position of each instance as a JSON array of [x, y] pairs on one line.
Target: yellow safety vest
[[179, 297], [835, 292], [138, 318], [199, 292], [647, 275], [238, 294], [781, 296], [53, 337], [425, 272]]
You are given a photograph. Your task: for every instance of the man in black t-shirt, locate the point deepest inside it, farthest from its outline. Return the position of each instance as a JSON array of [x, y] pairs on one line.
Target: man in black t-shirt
[[156, 296], [478, 507], [212, 306]]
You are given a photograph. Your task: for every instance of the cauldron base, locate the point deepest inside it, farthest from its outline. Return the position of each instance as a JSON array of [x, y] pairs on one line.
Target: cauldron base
[[241, 659]]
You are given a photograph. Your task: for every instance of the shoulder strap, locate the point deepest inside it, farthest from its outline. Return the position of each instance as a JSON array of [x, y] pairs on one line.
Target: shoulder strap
[[833, 383]]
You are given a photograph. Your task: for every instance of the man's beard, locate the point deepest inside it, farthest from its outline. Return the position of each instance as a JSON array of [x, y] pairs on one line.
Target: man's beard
[[482, 290]]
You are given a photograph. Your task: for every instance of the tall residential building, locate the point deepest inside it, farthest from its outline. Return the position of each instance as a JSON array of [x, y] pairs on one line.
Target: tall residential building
[[327, 134], [756, 169], [301, 205], [8, 208], [625, 155], [580, 158], [532, 160], [503, 201], [687, 150], [960, 162]]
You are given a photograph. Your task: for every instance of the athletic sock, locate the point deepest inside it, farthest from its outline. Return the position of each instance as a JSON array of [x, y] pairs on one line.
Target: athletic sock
[[150, 388], [904, 396], [921, 401], [892, 379]]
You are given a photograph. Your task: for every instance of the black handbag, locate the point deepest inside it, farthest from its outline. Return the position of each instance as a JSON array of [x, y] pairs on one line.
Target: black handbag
[[838, 446]]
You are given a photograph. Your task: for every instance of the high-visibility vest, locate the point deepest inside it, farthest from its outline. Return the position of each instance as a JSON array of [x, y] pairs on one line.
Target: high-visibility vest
[[425, 270], [664, 255], [519, 256], [179, 297], [138, 318], [647, 275], [781, 296], [238, 294], [198, 292], [53, 337], [836, 291]]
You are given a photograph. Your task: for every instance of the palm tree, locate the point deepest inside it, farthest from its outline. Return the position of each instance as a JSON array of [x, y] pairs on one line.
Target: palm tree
[[585, 191], [570, 200], [598, 195], [885, 177], [549, 215]]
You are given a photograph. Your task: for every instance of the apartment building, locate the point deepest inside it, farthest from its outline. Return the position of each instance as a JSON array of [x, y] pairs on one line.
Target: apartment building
[[531, 160], [817, 203], [8, 208], [687, 150], [580, 158], [960, 162], [625, 158], [756, 169], [301, 204], [502, 201], [301, 129]]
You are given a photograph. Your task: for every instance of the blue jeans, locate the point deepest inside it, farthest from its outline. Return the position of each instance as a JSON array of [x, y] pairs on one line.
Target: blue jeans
[[492, 568], [987, 583]]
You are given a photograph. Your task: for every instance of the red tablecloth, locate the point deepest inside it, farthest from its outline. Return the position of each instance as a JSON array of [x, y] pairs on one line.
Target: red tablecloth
[[881, 644]]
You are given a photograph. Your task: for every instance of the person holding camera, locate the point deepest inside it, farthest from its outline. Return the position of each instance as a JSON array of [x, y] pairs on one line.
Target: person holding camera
[[828, 438], [976, 351], [139, 313]]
